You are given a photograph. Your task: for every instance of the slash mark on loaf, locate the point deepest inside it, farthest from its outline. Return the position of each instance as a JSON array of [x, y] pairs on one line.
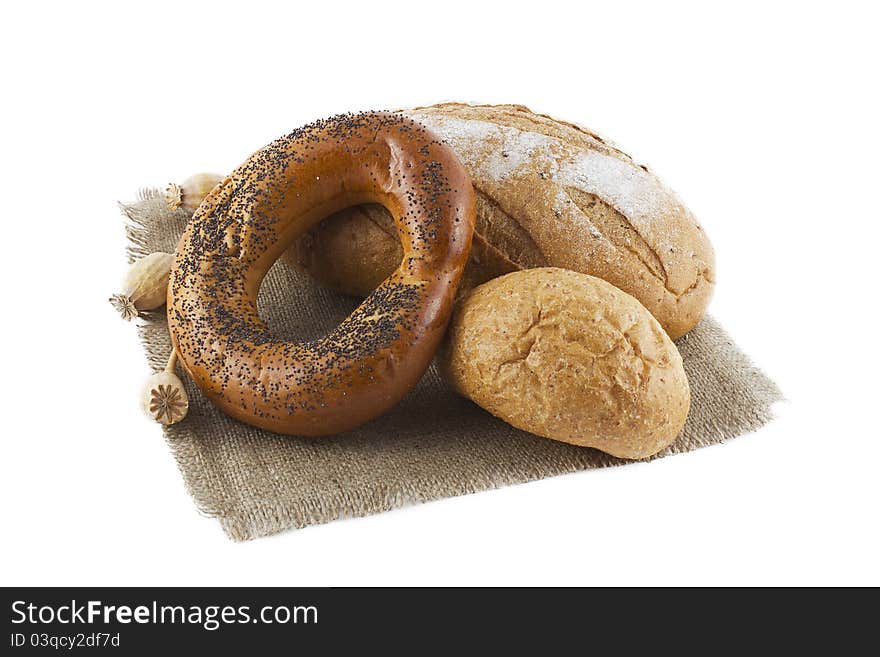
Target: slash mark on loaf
[[615, 227]]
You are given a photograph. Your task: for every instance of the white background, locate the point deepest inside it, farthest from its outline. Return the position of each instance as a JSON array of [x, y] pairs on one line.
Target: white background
[[763, 117]]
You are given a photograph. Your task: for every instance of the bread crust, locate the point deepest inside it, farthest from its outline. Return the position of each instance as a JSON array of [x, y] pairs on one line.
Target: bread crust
[[568, 356], [365, 365], [548, 193]]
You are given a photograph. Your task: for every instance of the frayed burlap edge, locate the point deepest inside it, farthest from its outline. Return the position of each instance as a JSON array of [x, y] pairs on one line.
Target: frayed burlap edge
[[157, 344]]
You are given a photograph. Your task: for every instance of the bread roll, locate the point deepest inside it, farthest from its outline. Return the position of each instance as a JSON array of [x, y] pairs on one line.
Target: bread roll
[[548, 193], [570, 357]]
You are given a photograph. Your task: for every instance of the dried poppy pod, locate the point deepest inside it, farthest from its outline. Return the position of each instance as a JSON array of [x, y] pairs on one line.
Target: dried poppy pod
[[145, 285], [190, 194], [164, 398]]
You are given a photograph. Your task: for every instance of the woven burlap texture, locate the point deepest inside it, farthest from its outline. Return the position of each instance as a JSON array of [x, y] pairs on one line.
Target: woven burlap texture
[[434, 444]]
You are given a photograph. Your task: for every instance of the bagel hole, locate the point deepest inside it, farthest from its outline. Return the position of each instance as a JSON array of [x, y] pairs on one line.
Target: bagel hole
[[297, 309]]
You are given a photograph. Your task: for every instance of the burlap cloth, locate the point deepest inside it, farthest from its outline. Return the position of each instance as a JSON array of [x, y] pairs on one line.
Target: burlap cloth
[[434, 444]]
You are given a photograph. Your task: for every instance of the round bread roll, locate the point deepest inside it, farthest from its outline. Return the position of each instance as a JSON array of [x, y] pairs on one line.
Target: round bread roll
[[549, 193], [352, 252], [570, 357]]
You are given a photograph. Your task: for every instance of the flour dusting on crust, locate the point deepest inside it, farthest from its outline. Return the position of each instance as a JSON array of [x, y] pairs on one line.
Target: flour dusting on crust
[[621, 184]]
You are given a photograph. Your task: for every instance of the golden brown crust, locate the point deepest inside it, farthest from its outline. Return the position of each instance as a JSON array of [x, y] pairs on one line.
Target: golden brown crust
[[377, 354], [551, 193], [570, 357], [366, 234]]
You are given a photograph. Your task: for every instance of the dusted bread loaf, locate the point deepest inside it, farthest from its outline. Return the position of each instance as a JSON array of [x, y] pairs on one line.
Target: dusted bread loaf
[[548, 193], [570, 357]]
